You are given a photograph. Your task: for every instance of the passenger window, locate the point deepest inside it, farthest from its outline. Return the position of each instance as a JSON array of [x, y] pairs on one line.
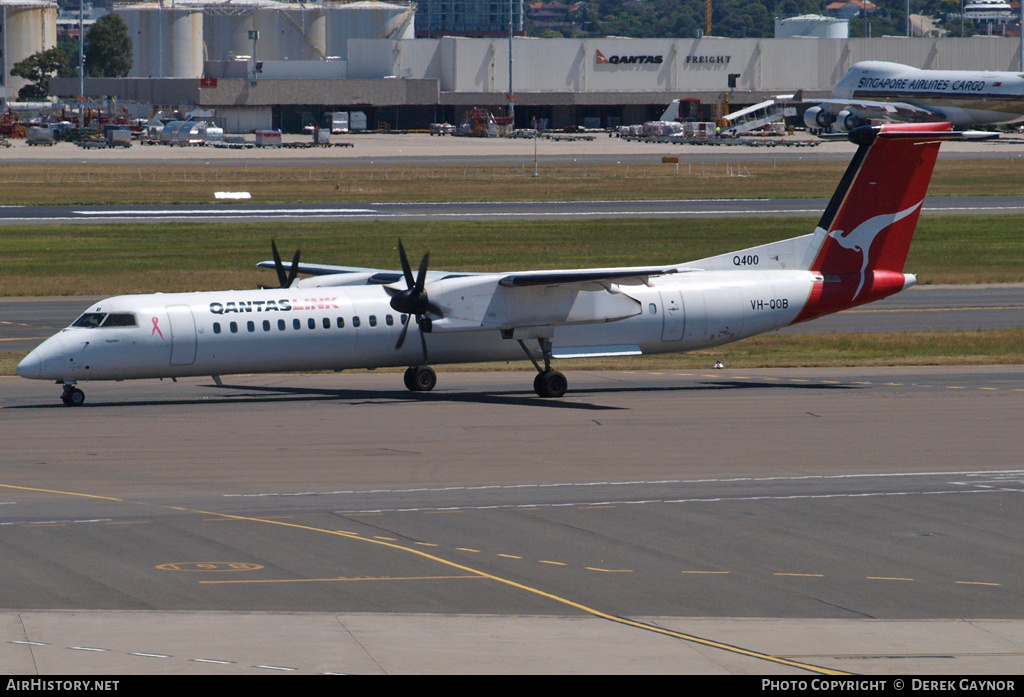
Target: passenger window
[[281, 325], [266, 325], [216, 327], [341, 323], [311, 322], [389, 320], [296, 324], [234, 327], [327, 322], [250, 325], [653, 308], [355, 321], [373, 320]]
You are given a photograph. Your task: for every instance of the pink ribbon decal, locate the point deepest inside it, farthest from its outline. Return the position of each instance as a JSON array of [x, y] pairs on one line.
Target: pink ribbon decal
[[156, 328]]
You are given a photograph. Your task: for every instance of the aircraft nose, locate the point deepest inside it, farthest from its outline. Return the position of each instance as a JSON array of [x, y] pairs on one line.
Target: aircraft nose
[[43, 360], [31, 366]]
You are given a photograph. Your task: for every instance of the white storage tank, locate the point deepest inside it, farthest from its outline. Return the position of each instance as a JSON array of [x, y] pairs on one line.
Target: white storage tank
[[817, 26], [166, 41], [367, 20], [286, 31], [26, 27]]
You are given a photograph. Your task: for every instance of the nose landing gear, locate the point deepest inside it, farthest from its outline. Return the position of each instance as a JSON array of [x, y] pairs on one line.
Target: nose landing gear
[[72, 396]]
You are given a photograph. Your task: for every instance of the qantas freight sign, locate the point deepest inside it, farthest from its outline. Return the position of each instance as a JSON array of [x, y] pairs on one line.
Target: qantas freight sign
[[347, 317], [602, 59]]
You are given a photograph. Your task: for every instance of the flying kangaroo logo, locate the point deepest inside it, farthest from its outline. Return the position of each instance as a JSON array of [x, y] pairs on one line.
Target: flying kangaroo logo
[[863, 236]]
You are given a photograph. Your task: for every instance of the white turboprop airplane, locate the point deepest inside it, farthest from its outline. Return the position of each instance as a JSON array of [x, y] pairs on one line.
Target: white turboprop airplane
[[881, 91], [345, 317]]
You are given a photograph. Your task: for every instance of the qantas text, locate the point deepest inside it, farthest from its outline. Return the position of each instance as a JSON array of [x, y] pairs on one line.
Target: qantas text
[[281, 305]]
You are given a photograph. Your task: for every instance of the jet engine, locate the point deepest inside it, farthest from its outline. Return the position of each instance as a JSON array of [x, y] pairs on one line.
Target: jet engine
[[846, 121], [816, 118]]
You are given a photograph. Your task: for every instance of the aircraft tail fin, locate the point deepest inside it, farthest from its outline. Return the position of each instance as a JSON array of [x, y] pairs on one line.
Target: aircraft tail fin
[[862, 239]]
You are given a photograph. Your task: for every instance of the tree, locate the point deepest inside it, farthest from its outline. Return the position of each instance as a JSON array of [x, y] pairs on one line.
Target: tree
[[69, 45], [38, 69], [108, 48]]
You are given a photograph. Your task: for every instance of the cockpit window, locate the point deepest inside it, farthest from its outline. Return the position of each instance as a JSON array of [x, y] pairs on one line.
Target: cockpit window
[[120, 319], [106, 319], [90, 319]]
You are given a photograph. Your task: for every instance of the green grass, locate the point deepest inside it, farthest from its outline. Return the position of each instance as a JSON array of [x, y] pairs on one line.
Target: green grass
[[22, 184], [137, 258]]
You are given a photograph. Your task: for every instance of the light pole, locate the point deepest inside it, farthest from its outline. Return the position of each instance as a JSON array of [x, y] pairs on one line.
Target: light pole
[[511, 93]]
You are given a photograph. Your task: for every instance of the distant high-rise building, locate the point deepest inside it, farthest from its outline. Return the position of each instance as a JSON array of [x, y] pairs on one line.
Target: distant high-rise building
[[468, 17]]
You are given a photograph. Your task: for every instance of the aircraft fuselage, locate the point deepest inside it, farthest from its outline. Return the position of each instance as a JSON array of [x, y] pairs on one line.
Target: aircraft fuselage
[[336, 328], [963, 97]]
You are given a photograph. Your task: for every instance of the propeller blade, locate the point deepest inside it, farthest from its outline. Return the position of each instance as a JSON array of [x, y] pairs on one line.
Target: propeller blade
[[413, 301], [421, 277], [405, 328], [423, 342], [294, 271], [406, 271], [278, 266]]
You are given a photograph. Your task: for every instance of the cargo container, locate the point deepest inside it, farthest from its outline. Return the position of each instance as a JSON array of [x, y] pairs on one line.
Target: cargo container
[[268, 138]]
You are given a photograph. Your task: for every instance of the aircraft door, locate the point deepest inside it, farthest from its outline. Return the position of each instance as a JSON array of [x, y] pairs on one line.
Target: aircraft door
[[183, 334], [673, 314]]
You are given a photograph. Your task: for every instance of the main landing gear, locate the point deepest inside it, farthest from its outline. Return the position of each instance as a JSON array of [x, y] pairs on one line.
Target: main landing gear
[[420, 378], [548, 383], [72, 396]]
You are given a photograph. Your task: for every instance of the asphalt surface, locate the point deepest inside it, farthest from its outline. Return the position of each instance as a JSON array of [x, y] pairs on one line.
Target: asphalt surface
[[494, 211], [755, 522], [761, 522], [424, 150]]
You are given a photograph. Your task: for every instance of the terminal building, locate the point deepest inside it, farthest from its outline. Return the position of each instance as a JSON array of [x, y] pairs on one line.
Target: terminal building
[[267, 64]]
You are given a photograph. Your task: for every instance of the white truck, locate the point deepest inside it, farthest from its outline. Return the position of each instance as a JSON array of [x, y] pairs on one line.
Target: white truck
[[336, 121]]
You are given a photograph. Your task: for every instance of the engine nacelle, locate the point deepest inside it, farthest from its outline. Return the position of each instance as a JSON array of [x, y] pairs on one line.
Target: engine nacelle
[[846, 121], [816, 117]]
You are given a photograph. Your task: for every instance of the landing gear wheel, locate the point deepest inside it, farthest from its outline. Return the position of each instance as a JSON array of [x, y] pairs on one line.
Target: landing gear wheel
[[72, 397], [420, 378], [550, 383]]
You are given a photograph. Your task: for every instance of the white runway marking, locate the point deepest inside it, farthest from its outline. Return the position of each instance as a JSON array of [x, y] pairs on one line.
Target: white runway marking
[[1009, 475]]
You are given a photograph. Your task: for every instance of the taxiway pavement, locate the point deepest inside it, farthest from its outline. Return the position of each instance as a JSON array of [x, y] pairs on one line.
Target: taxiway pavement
[[757, 522], [492, 211]]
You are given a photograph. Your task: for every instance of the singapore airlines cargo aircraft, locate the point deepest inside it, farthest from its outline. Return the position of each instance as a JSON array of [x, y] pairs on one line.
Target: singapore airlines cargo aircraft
[[880, 91], [345, 317]]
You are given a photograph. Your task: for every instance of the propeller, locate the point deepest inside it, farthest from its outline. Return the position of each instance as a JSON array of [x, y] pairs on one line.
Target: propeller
[[284, 279], [413, 301]]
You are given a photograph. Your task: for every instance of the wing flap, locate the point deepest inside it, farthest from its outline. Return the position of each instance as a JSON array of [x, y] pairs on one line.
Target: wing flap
[[585, 279]]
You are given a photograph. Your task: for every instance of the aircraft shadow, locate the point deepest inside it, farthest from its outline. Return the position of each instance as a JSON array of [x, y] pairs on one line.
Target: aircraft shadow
[[256, 394]]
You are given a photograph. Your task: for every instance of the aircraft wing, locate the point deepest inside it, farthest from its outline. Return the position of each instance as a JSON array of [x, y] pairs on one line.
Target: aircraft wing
[[872, 110], [585, 279], [352, 275], [532, 303], [329, 269], [578, 279]]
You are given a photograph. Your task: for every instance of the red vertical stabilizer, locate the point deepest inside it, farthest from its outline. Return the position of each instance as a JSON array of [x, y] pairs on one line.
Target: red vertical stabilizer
[[868, 224]]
